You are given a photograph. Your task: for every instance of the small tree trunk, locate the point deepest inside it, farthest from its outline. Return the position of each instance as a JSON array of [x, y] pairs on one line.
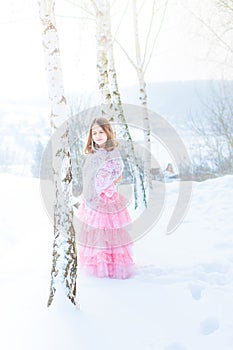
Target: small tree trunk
[[64, 265], [146, 125], [142, 96]]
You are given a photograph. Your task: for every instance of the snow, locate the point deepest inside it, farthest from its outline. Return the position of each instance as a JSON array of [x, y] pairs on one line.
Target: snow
[[181, 298]]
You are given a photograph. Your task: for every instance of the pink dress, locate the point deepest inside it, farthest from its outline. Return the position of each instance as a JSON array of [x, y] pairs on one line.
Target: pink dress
[[105, 244]]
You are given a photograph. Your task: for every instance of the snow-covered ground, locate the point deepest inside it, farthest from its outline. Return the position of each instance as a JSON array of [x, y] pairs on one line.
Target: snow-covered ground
[[181, 298]]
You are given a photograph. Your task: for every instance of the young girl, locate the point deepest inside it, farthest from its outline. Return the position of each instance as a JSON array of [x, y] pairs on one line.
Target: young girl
[[169, 173], [104, 242]]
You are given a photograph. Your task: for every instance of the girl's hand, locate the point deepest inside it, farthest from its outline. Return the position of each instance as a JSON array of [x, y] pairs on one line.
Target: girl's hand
[[118, 180]]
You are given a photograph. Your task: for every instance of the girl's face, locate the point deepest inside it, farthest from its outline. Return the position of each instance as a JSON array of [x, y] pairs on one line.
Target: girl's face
[[98, 135], [169, 168]]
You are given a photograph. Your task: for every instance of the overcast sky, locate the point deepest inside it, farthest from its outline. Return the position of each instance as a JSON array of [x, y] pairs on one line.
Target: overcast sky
[[182, 51]]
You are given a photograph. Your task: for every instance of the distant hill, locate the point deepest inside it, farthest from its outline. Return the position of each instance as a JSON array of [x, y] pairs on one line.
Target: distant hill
[[177, 100], [25, 125]]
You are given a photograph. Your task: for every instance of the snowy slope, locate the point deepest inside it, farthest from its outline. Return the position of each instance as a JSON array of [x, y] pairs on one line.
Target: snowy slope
[[181, 298]]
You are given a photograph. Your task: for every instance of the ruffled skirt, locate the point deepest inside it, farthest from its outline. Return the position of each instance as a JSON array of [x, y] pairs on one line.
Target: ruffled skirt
[[105, 245]]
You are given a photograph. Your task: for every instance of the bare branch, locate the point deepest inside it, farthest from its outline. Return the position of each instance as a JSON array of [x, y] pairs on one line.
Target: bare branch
[[149, 32], [223, 63], [211, 30], [94, 5], [155, 39], [216, 129], [121, 19], [127, 55], [142, 5], [225, 4], [77, 4]]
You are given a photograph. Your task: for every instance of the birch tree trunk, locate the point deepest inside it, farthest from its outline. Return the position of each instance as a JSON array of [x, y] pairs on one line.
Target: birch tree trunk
[[64, 264], [102, 60], [142, 95], [108, 86], [107, 77], [113, 85]]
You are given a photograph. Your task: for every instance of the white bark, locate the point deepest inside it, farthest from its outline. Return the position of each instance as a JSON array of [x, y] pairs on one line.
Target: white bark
[[64, 266], [102, 60], [108, 86], [113, 85], [107, 77], [142, 95]]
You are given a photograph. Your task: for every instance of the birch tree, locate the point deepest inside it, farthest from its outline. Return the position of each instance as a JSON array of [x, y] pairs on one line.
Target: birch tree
[[107, 76], [110, 98], [142, 92], [140, 64], [64, 264], [108, 86]]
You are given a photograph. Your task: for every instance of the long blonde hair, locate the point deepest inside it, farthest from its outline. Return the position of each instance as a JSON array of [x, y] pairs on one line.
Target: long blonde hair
[[111, 142]]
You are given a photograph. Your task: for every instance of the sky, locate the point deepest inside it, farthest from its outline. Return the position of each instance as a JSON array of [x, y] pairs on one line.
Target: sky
[[181, 51]]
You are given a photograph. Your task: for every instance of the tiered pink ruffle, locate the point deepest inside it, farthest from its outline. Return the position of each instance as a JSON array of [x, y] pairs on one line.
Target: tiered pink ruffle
[[105, 246]]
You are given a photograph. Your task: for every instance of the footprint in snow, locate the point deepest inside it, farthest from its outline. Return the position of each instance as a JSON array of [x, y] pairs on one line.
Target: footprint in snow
[[196, 291], [208, 326]]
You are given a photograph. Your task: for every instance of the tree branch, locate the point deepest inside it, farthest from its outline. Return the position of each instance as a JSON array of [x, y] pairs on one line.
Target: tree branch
[[95, 6], [121, 19], [125, 52], [225, 4], [211, 30], [77, 4], [149, 31], [154, 42]]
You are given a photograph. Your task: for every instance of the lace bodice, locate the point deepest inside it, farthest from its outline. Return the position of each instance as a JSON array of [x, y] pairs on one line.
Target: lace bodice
[[100, 171]]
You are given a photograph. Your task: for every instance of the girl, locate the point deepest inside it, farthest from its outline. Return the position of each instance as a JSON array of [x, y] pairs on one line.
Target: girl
[[105, 244], [169, 173]]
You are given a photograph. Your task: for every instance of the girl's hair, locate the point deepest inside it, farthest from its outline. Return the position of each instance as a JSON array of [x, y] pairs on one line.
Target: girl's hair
[[111, 142], [169, 165]]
